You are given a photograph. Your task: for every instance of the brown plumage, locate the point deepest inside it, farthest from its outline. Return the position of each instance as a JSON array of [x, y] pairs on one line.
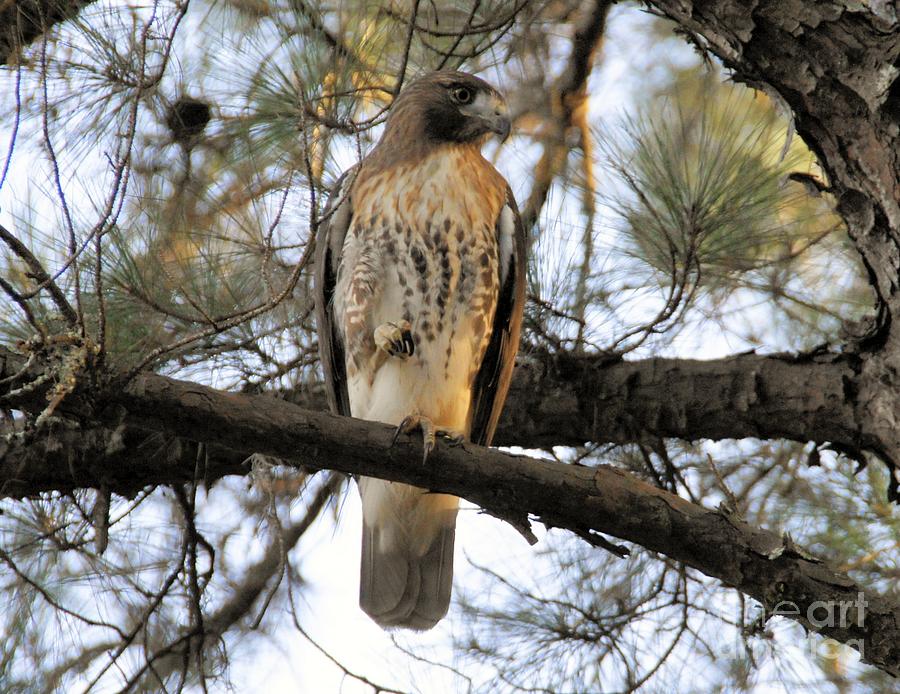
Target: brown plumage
[[420, 278]]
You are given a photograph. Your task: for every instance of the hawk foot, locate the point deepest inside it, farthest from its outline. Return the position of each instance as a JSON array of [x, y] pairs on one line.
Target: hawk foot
[[429, 433], [395, 339]]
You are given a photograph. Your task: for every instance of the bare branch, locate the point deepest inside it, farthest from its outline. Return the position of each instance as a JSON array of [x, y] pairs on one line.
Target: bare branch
[[39, 274]]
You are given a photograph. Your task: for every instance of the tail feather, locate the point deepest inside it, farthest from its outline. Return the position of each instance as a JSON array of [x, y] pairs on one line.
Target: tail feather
[[406, 572]]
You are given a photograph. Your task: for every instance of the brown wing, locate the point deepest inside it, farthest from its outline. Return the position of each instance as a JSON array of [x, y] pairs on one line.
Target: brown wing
[[493, 378], [329, 246]]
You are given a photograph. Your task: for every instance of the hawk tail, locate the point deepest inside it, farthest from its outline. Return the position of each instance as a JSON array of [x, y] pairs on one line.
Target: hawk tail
[[406, 572]]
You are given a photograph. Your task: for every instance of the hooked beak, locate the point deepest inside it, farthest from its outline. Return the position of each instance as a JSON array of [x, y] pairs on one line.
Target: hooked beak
[[501, 125], [498, 118], [491, 110]]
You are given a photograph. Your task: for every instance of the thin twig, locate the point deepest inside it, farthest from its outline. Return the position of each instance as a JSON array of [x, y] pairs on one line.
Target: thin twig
[[15, 129], [57, 182], [40, 275], [404, 60], [8, 560]]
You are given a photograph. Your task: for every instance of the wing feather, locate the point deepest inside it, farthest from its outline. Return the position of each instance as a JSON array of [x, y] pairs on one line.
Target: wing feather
[[329, 246], [493, 378]]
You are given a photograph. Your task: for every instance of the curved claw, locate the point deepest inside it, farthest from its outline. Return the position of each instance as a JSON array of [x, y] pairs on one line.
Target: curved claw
[[429, 433], [395, 339], [416, 421]]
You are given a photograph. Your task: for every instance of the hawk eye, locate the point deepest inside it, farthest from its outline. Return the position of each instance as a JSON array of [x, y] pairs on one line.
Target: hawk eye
[[462, 95]]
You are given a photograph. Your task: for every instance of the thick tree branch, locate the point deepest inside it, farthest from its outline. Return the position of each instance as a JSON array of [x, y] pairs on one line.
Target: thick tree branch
[[584, 500], [554, 400], [569, 400], [836, 64], [565, 400]]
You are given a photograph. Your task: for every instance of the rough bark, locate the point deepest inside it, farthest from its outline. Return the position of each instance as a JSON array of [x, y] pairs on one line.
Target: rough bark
[[23, 21], [570, 400], [555, 400], [584, 500], [836, 65]]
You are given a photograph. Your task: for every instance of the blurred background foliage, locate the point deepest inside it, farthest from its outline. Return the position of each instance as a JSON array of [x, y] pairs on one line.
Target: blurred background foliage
[[168, 162]]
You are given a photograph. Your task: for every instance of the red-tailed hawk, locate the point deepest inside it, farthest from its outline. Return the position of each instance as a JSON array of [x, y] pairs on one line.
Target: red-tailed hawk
[[420, 276]]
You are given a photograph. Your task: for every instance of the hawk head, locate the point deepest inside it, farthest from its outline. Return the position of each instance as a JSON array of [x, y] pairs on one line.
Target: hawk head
[[447, 107]]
